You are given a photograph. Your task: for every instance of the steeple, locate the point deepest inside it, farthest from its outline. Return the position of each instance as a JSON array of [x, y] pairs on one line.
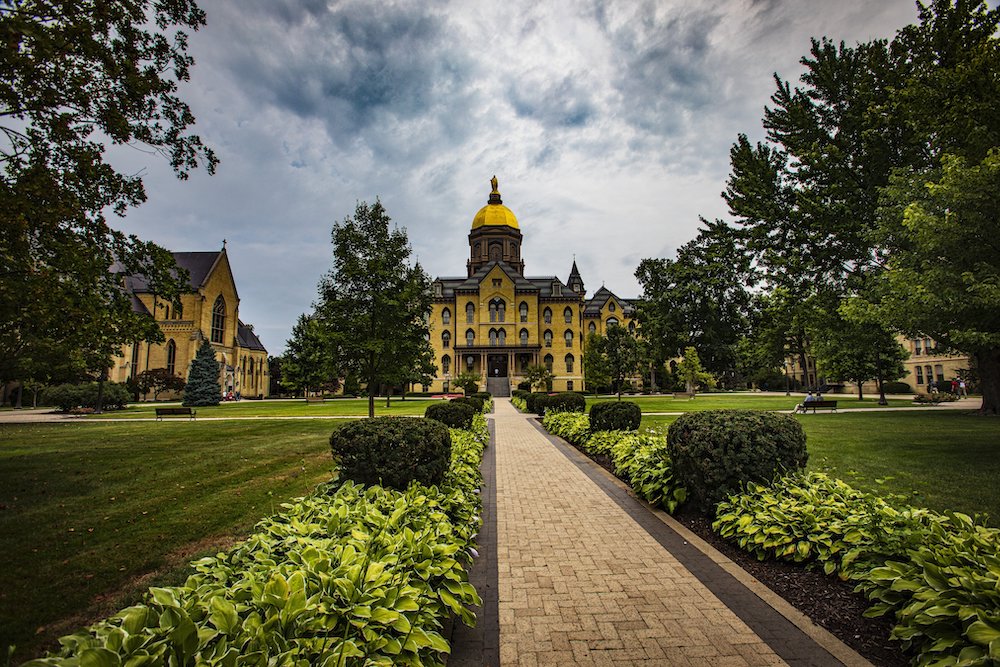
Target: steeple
[[575, 281], [495, 235]]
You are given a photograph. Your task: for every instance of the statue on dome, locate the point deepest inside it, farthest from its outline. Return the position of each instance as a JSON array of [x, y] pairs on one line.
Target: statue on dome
[[493, 182]]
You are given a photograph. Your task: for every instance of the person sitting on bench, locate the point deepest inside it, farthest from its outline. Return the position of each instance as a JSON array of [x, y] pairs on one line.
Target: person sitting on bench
[[801, 407]]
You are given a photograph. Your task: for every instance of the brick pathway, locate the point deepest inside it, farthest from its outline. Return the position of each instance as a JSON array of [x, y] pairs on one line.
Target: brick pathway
[[581, 582]]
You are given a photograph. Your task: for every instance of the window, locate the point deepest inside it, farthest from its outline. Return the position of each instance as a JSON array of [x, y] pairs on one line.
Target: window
[[178, 313], [166, 314], [568, 315], [929, 372], [592, 328], [470, 337], [523, 308], [939, 372], [548, 362], [470, 313], [611, 306], [569, 385], [612, 321], [445, 316], [927, 347], [569, 338], [920, 375], [556, 289], [502, 335], [437, 289], [547, 315], [916, 351], [218, 320], [498, 310], [171, 356], [470, 362], [524, 336], [631, 326], [135, 360], [251, 368], [498, 282], [446, 339], [446, 364], [548, 338], [569, 363], [493, 336]]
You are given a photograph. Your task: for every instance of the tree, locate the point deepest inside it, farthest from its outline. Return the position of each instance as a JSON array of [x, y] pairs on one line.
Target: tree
[[943, 267], [76, 77], [539, 376], [596, 371], [202, 386], [307, 363], [468, 381], [158, 380], [274, 374], [701, 298], [691, 371], [373, 304], [622, 352]]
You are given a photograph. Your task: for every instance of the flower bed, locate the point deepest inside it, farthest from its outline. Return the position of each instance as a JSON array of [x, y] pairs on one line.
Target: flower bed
[[348, 575]]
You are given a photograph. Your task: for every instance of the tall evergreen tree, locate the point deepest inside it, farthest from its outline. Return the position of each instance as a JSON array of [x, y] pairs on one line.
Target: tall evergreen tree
[[203, 386]]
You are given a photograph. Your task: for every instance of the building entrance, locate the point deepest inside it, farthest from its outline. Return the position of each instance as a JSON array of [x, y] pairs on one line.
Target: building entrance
[[496, 365]]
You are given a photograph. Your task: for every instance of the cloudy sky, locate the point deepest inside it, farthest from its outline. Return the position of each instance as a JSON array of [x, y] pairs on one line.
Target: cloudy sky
[[608, 125]]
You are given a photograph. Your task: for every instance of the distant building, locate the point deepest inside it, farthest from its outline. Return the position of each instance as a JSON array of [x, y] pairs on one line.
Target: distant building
[[495, 321], [926, 364], [209, 309]]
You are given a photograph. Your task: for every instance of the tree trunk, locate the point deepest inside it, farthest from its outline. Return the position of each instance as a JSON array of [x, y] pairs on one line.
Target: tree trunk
[[34, 398], [861, 389], [388, 393], [99, 407], [20, 393], [988, 366]]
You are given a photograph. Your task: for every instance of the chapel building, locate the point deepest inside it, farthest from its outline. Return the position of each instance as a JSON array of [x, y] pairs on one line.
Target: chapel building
[[209, 310], [495, 321]]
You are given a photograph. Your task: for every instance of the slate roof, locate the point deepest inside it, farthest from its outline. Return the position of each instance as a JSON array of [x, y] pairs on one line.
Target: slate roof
[[593, 305], [247, 338], [198, 265], [540, 284]]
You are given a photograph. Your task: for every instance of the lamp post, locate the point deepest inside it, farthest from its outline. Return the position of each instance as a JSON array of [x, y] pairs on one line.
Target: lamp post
[[788, 381]]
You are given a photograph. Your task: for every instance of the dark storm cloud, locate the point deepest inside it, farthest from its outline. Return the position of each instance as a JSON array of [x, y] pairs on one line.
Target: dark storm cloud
[[565, 104]]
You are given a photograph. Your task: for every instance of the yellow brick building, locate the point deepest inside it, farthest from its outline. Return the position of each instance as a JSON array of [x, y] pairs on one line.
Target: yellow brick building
[[209, 310], [495, 321]]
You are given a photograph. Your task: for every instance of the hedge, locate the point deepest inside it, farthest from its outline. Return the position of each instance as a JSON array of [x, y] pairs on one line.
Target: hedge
[[68, 396], [477, 403], [452, 414], [565, 401], [347, 575], [616, 416]]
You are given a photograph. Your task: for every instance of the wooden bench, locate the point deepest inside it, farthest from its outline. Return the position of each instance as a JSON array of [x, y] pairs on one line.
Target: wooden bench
[[174, 412], [821, 405]]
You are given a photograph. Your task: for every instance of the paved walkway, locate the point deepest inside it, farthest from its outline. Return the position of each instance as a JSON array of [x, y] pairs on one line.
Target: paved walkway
[[582, 582]]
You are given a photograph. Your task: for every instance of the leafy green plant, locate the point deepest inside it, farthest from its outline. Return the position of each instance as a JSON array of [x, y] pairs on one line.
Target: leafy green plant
[[564, 401], [392, 451], [571, 426], [616, 416], [455, 415]]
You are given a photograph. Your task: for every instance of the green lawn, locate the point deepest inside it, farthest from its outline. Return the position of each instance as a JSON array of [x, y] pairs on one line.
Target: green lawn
[[86, 509], [741, 401], [949, 458], [340, 407]]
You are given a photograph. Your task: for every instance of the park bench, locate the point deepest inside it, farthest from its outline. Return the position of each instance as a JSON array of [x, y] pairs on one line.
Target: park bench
[[174, 412], [822, 405]]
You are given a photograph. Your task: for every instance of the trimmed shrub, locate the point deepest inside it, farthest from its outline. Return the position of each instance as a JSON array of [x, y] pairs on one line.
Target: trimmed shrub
[[392, 451], [524, 386], [615, 416], [716, 453], [566, 401], [476, 403], [530, 402], [897, 388], [69, 396], [485, 395], [450, 413]]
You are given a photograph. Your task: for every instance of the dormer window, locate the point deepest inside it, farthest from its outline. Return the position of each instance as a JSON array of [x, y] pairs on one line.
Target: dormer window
[[438, 291], [611, 306], [556, 289]]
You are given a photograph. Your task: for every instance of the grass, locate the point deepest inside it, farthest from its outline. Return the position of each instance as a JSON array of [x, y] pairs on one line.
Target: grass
[[741, 401], [88, 511], [341, 407], [944, 460]]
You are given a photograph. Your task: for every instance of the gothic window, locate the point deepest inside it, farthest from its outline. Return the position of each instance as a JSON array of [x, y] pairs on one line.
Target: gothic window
[[445, 364], [547, 336], [178, 313], [612, 321], [524, 336], [592, 328], [502, 335], [445, 316], [470, 337], [523, 309], [218, 320], [166, 314], [569, 363], [171, 356], [493, 336], [476, 250], [569, 338], [251, 368], [568, 315], [548, 362], [498, 310], [611, 306], [470, 313], [496, 252], [547, 315], [445, 339], [501, 312]]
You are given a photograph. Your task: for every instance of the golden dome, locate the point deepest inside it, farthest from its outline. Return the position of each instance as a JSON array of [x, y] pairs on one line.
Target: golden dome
[[494, 214]]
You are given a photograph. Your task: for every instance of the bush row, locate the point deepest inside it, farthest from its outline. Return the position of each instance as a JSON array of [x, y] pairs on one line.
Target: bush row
[[68, 396], [615, 416], [349, 575], [641, 460], [542, 403], [939, 574]]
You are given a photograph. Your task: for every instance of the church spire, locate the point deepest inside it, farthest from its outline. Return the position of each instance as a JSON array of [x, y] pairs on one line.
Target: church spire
[[575, 281]]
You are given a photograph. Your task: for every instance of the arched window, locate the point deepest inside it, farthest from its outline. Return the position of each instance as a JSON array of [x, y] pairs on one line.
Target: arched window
[[470, 337], [548, 362], [171, 356], [251, 369], [524, 336], [568, 315], [470, 313], [470, 362], [493, 336], [592, 328], [445, 339], [631, 326], [547, 336], [569, 338], [218, 320], [612, 321], [445, 316], [446, 364], [547, 315], [523, 309], [611, 306], [502, 335], [498, 310], [569, 363]]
